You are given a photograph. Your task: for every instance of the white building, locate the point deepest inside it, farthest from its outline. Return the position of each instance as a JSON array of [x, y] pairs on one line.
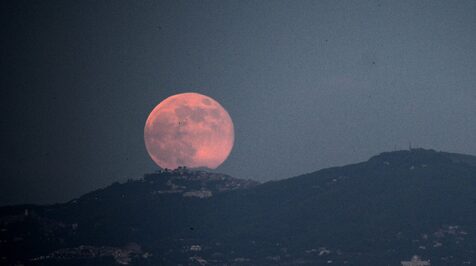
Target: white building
[[195, 248], [416, 261]]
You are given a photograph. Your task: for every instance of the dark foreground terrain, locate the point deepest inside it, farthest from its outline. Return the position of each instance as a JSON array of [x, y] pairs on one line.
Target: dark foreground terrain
[[378, 212]]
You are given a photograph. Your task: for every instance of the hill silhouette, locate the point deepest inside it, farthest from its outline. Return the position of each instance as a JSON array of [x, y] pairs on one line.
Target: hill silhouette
[[378, 212]]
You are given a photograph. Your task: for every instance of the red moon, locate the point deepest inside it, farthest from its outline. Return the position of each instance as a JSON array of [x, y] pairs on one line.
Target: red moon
[[189, 129]]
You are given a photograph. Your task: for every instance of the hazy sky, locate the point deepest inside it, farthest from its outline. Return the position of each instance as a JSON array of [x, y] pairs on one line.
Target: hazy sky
[[309, 84]]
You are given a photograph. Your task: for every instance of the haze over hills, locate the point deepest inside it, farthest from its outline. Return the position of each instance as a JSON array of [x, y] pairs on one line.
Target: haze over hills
[[378, 212]]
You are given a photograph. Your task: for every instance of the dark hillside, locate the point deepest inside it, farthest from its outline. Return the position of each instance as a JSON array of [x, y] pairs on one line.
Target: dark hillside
[[378, 212]]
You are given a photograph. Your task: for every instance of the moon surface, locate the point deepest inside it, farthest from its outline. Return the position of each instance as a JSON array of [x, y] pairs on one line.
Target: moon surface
[[189, 129]]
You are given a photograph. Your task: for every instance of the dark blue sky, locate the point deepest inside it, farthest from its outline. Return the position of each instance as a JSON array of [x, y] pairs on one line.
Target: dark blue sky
[[309, 84]]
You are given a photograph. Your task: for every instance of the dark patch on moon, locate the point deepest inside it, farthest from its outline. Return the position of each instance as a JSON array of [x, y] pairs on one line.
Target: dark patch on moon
[[183, 111], [198, 114], [206, 101], [215, 113]]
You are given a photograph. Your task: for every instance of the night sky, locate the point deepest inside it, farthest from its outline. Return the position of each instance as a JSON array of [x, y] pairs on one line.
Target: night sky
[[308, 84]]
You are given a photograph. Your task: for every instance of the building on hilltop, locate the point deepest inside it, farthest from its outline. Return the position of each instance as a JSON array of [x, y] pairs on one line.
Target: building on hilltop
[[416, 261]]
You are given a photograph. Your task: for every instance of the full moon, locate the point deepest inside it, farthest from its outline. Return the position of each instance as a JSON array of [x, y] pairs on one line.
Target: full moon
[[189, 129]]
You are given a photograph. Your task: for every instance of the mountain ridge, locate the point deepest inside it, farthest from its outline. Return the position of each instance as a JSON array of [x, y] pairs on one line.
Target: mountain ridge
[[388, 208]]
